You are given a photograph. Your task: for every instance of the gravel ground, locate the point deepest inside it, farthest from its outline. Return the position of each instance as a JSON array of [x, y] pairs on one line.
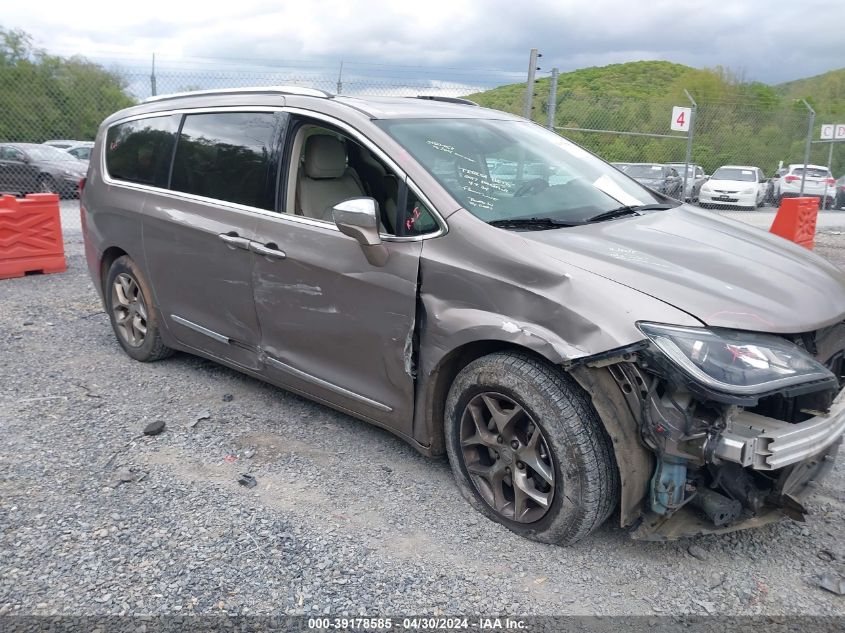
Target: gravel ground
[[97, 519]]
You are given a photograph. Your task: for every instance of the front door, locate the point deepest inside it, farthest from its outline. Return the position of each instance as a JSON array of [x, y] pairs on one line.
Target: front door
[[333, 325]]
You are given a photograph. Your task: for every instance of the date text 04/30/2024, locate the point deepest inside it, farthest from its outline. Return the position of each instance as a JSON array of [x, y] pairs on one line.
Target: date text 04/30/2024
[[416, 624]]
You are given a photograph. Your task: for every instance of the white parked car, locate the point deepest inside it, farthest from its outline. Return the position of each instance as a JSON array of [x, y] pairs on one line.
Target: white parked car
[[81, 150], [739, 186], [818, 182]]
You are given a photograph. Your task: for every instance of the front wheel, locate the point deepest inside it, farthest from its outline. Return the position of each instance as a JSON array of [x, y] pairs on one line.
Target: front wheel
[[47, 184], [528, 449]]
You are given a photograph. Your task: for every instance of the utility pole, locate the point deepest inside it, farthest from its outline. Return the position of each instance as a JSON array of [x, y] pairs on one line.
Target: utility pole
[[153, 77], [552, 99], [340, 79], [529, 88], [810, 122]]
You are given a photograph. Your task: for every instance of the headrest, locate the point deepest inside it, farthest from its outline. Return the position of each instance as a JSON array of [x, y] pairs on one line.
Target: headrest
[[325, 157], [368, 158]]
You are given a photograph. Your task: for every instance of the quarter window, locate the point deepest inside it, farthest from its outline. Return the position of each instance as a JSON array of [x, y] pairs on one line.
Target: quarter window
[[139, 151], [229, 156]]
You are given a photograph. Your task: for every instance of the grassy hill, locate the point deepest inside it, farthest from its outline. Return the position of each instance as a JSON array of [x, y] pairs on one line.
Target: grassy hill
[[825, 92], [737, 122]]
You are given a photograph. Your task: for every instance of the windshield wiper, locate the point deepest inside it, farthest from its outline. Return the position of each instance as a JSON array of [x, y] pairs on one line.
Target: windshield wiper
[[531, 224], [629, 210]]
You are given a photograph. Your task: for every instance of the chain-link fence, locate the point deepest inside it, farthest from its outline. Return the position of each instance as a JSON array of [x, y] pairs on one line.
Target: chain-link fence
[[62, 101]]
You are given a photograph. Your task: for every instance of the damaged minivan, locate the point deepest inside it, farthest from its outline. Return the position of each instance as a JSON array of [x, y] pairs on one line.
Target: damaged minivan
[[576, 343]]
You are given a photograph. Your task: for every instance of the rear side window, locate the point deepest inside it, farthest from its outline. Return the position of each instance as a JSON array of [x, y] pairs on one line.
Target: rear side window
[[229, 156], [812, 172], [139, 151]]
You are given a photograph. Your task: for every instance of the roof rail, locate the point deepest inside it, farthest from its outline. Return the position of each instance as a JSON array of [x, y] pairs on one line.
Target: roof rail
[[287, 90], [446, 99]]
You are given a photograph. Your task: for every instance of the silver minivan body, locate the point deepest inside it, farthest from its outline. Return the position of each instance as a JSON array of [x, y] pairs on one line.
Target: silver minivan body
[[381, 329]]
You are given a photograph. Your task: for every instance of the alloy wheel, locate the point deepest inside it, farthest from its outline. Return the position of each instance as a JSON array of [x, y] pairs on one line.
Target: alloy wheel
[[507, 457], [129, 310]]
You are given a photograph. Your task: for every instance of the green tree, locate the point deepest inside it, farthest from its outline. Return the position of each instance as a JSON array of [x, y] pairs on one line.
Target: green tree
[[43, 96]]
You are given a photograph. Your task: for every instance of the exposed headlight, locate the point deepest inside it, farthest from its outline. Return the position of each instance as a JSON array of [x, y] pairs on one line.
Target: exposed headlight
[[748, 190], [735, 362], [705, 187]]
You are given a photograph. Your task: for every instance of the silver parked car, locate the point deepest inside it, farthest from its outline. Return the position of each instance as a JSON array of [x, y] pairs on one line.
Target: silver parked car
[[575, 342], [695, 179]]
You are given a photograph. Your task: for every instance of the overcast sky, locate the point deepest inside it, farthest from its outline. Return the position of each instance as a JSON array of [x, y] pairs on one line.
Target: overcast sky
[[459, 39]]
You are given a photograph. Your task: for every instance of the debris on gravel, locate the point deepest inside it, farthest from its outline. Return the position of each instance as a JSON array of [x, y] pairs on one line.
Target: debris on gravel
[[154, 428]]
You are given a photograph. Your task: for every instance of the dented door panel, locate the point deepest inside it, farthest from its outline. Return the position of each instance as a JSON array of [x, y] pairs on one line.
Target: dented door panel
[[201, 282], [334, 325]]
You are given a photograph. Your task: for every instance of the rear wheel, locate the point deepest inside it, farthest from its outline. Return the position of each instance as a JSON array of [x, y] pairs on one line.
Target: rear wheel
[[528, 449], [133, 316]]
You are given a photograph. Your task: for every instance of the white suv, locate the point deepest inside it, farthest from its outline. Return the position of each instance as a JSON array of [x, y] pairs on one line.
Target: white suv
[[818, 182]]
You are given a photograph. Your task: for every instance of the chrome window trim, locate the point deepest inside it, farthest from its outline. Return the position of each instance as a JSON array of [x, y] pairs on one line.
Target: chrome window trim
[[326, 384], [284, 217]]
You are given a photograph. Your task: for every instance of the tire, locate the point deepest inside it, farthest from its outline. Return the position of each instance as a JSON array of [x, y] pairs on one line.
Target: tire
[[578, 453], [130, 307], [47, 184]]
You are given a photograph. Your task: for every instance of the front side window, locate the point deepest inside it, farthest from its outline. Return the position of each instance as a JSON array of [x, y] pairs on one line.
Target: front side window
[[139, 151], [10, 153], [512, 170], [328, 167], [229, 156]]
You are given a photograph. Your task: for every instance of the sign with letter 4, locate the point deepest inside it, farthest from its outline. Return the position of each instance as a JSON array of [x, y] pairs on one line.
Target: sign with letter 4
[[680, 119]]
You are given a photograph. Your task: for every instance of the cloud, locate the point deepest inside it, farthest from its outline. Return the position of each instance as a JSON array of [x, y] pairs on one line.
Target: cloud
[[456, 41]]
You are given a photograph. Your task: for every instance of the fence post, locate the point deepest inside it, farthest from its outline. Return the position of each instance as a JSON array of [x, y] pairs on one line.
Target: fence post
[[340, 79], [529, 86], [153, 78], [829, 168], [552, 99], [810, 123], [693, 110]]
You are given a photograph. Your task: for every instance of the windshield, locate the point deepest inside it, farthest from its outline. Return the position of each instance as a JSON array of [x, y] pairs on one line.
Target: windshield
[[644, 171], [48, 153], [734, 173], [679, 167], [506, 170]]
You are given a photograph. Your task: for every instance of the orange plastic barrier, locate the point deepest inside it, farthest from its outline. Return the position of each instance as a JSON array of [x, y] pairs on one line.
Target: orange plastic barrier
[[31, 236], [796, 220]]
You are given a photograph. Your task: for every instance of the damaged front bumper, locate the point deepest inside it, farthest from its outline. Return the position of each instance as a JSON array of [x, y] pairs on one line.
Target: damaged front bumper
[[718, 467], [764, 443], [786, 500]]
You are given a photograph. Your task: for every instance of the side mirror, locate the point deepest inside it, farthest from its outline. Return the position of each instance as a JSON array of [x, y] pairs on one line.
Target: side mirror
[[358, 218]]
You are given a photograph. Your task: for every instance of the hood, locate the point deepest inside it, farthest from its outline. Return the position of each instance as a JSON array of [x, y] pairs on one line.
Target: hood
[[731, 185], [723, 272]]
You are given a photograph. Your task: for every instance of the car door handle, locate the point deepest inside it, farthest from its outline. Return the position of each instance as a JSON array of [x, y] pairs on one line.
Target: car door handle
[[269, 250], [233, 240]]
